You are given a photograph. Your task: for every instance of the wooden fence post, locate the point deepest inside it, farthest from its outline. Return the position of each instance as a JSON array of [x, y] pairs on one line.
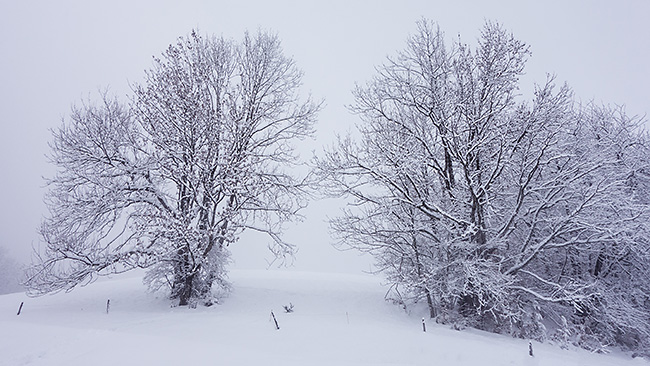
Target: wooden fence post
[[277, 327]]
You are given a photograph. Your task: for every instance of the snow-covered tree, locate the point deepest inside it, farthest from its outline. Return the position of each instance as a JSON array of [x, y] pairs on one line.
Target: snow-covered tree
[[168, 182], [496, 210]]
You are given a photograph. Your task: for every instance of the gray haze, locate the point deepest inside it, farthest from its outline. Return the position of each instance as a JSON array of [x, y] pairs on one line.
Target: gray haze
[[53, 54]]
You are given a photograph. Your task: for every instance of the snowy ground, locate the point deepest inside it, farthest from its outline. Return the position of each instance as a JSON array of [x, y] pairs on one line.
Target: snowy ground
[[338, 320]]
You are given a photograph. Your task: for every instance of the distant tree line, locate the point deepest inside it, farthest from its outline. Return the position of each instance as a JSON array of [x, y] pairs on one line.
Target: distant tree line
[[10, 273]]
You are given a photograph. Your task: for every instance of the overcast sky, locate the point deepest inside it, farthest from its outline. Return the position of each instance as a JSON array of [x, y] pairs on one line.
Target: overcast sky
[[53, 53]]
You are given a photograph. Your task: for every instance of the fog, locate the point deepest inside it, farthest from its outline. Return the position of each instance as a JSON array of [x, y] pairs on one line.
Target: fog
[[53, 54]]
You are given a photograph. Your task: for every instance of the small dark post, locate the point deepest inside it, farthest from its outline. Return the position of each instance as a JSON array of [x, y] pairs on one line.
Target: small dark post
[[530, 349], [20, 308], [108, 305], [424, 326], [277, 327]]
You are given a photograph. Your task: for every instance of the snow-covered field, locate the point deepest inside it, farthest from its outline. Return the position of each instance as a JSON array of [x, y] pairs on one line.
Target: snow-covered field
[[338, 319]]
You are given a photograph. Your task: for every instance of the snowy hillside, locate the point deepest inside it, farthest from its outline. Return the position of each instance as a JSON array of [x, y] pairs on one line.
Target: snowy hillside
[[337, 320]]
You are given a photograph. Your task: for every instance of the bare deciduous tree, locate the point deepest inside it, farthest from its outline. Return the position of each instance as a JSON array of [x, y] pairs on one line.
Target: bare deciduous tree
[[202, 153], [495, 210]]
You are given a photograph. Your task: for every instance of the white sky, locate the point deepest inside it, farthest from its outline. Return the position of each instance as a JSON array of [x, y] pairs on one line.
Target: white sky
[[53, 53]]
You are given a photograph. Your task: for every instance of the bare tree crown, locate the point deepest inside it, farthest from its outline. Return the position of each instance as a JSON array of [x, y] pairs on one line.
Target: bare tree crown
[[203, 151], [489, 207]]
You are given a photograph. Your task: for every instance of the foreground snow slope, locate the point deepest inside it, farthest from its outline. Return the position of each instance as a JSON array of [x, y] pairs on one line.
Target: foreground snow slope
[[338, 320]]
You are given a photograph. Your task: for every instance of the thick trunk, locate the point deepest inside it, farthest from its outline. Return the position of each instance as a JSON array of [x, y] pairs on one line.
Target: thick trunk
[[432, 309], [449, 172], [194, 275], [186, 290], [184, 274]]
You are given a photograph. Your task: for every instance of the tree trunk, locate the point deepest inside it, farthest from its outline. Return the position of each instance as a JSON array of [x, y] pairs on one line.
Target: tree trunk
[[186, 290], [449, 173], [432, 309], [421, 277]]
